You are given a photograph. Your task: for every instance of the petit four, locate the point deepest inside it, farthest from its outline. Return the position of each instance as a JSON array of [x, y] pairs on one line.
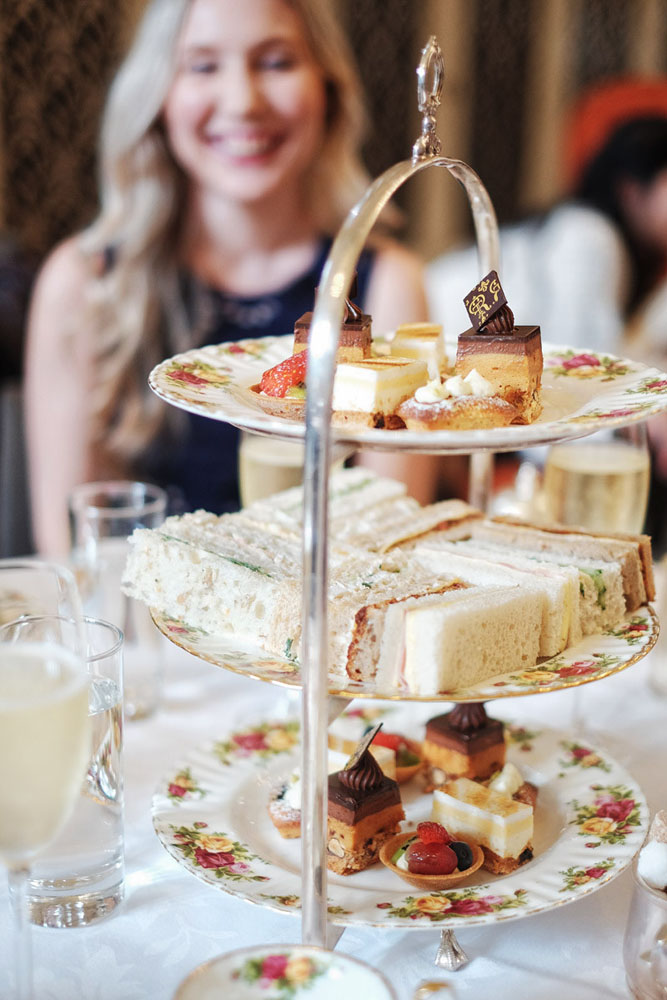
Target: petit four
[[364, 810], [285, 801], [421, 342], [355, 334], [368, 392], [508, 356], [501, 826], [464, 743]]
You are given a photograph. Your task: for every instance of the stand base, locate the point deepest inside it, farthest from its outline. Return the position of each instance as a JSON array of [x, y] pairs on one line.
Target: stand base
[[450, 955]]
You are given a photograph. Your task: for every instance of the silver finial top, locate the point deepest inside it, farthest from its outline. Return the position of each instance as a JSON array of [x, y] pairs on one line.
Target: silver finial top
[[430, 74]]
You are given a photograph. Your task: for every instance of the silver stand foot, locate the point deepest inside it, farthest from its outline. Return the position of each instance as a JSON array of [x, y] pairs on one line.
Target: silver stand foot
[[451, 955]]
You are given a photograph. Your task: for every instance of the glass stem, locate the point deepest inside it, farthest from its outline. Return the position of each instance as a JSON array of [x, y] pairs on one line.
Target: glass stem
[[18, 891]]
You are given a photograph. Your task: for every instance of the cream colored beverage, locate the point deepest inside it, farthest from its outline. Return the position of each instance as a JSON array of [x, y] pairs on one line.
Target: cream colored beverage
[[268, 466], [44, 742], [601, 486]]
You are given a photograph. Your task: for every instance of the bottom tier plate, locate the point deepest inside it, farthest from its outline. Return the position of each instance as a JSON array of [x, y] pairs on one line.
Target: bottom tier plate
[[210, 813]]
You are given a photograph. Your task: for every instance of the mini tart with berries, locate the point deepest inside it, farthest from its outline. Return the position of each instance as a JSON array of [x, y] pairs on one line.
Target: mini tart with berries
[[422, 849], [409, 760], [281, 391]]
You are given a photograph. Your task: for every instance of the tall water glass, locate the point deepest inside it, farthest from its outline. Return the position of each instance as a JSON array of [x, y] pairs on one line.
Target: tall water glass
[[78, 878], [44, 739], [102, 517]]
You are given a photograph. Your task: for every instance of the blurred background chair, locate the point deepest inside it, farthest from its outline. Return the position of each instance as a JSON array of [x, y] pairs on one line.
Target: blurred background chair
[[17, 271]]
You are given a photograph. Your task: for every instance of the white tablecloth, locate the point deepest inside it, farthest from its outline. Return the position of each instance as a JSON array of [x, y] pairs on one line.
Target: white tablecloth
[[171, 921]]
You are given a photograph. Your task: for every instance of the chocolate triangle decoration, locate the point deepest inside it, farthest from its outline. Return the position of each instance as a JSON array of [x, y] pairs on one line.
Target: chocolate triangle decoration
[[363, 746], [485, 300]]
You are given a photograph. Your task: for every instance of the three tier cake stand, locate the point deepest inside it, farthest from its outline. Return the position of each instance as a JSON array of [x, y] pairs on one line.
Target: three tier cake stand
[[320, 701]]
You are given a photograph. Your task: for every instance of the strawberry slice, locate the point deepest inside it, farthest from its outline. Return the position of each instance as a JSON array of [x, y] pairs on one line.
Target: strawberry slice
[[277, 381], [432, 833], [391, 740]]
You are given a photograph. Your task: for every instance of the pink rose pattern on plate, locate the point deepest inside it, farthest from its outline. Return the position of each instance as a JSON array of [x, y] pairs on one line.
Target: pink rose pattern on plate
[[285, 974], [582, 756], [609, 818], [183, 787], [582, 364], [466, 903], [264, 741], [228, 858]]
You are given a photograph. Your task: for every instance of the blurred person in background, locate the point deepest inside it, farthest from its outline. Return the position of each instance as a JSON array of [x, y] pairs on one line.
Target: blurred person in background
[[582, 269], [591, 270], [229, 158]]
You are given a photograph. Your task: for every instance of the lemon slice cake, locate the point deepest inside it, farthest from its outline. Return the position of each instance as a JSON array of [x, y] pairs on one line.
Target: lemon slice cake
[[501, 826]]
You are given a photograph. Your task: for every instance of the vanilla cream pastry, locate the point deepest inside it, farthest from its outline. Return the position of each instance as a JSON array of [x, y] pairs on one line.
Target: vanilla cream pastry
[[499, 824], [421, 342], [377, 385]]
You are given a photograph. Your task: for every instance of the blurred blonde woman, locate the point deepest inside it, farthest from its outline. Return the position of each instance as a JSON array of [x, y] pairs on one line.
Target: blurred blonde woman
[[229, 158]]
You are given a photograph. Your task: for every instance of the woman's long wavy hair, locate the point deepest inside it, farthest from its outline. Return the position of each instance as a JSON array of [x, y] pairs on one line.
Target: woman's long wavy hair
[[135, 312]]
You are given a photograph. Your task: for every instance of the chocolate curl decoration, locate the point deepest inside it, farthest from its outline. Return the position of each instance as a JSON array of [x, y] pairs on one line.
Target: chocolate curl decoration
[[468, 717], [353, 314], [501, 323], [364, 776]]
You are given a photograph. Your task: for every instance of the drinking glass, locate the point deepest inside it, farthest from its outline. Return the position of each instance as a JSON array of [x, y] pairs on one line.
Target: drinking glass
[[268, 465], [645, 942], [44, 740], [102, 517], [599, 482], [79, 877]]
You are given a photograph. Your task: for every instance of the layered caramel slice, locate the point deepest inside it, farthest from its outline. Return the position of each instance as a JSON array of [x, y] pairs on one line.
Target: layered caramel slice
[[464, 742], [355, 334], [512, 363], [364, 811], [507, 356]]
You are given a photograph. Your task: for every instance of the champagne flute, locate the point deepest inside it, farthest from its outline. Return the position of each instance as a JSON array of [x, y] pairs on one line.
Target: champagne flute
[[44, 730]]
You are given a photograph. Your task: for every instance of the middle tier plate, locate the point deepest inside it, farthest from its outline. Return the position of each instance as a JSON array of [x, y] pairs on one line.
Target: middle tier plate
[[595, 657]]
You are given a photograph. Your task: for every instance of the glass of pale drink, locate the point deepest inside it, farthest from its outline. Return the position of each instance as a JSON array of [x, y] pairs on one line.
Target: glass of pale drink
[[79, 877], [44, 730], [599, 482], [268, 465]]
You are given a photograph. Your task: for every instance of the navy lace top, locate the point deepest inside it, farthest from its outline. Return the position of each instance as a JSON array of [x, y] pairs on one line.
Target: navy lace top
[[197, 463]]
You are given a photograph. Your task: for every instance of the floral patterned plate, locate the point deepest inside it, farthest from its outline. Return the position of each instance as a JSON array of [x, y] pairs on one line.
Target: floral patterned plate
[[581, 392], [210, 813], [284, 972], [595, 657]]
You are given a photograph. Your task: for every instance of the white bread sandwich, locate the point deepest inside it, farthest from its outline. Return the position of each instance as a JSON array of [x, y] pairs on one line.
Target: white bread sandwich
[[441, 642], [558, 592], [574, 546], [594, 598], [641, 544]]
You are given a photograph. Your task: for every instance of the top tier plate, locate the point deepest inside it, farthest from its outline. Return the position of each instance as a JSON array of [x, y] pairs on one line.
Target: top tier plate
[[581, 392]]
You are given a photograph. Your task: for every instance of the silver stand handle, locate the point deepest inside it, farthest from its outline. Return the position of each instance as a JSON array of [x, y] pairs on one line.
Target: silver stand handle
[[323, 342]]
